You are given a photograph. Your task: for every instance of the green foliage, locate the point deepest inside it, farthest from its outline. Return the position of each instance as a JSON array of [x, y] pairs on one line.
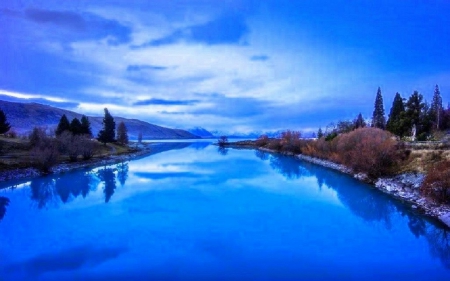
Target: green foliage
[[122, 134], [331, 136], [344, 127], [378, 117], [75, 126], [436, 109], [107, 134], [63, 125], [359, 122], [319, 133], [86, 126], [4, 125], [397, 123]]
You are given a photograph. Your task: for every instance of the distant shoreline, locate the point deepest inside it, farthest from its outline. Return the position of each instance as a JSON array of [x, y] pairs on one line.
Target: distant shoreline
[[20, 175]]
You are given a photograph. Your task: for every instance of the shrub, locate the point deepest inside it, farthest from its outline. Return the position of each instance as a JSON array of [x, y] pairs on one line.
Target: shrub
[[368, 150], [290, 141], [437, 182], [37, 136], [263, 140], [45, 156], [223, 140], [87, 148]]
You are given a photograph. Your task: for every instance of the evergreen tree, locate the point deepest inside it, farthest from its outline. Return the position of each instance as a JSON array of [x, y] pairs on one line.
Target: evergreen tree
[[4, 125], [63, 125], [75, 126], [396, 121], [359, 122], [319, 133], [436, 108], [378, 118], [108, 133], [416, 115], [122, 133], [86, 126]]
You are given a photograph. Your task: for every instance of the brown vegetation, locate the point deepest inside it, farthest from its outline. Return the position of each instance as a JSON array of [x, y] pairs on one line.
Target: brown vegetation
[[369, 150], [437, 182]]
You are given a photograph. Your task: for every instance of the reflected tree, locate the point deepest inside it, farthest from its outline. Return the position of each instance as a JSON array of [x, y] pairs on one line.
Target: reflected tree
[[4, 202], [43, 191], [262, 154], [287, 166], [222, 150], [122, 172], [109, 180]]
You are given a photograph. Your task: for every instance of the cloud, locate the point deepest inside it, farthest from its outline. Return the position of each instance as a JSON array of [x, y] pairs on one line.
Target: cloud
[[228, 29], [259, 58], [145, 67], [83, 26], [166, 102]]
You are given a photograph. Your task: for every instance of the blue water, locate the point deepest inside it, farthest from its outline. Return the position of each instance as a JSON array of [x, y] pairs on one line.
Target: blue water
[[193, 212]]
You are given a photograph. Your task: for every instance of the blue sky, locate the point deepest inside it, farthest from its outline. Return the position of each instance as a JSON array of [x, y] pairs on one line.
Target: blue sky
[[224, 65]]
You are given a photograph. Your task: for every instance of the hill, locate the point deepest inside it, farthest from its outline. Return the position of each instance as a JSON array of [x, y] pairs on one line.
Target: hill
[[201, 132], [23, 117]]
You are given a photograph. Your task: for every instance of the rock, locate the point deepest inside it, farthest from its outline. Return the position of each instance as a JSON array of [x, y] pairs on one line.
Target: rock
[[445, 218]]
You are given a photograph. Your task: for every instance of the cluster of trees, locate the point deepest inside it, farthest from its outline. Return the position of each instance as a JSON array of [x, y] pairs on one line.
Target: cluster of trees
[[412, 117], [76, 127]]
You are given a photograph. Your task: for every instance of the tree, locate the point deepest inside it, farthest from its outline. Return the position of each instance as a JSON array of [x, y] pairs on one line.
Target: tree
[[63, 125], [223, 140], [86, 126], [122, 133], [436, 108], [413, 112], [359, 122], [4, 125], [107, 134], [75, 126], [140, 137], [396, 121], [319, 133], [378, 118]]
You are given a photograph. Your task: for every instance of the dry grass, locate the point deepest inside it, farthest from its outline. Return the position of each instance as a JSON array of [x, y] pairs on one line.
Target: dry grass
[[422, 160]]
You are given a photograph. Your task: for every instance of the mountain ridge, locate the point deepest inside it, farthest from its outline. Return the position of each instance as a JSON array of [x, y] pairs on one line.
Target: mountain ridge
[[23, 117]]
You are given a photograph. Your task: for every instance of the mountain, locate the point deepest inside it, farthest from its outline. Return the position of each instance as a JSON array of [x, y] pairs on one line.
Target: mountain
[[23, 117], [201, 132]]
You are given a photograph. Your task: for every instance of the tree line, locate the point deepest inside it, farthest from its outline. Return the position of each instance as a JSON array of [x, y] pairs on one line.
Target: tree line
[[413, 117]]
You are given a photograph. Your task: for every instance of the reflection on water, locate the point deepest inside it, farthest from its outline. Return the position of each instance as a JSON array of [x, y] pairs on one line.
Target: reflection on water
[[196, 211], [222, 150], [368, 204], [4, 202]]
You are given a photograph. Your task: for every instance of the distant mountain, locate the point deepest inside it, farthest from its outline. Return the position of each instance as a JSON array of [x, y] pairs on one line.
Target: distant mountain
[[201, 132], [23, 117]]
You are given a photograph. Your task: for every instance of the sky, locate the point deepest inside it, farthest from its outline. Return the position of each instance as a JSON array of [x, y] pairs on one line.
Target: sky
[[229, 65]]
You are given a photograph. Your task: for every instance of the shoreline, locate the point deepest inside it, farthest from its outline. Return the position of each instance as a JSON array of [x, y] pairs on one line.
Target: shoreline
[[20, 175], [403, 187]]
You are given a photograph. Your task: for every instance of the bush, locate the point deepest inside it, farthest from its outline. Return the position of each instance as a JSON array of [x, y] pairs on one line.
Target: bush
[[369, 150], [37, 136], [45, 156], [437, 182], [263, 140], [223, 140]]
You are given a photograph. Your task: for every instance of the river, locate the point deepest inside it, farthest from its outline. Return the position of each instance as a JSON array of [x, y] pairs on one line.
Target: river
[[192, 211]]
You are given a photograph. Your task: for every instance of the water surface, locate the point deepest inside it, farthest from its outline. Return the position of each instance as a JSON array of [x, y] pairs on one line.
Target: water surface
[[192, 211]]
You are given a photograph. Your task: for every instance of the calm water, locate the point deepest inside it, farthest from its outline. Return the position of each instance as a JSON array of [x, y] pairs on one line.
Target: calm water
[[193, 212]]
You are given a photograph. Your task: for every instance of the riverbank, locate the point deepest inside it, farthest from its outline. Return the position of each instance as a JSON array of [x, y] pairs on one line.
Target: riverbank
[[15, 176], [404, 187]]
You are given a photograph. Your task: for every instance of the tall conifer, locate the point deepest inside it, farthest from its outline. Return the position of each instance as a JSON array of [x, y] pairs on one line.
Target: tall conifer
[[63, 125], [108, 132], [378, 118]]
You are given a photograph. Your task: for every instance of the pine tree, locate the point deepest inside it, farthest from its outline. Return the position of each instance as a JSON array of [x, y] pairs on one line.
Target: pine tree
[[378, 118], [415, 114], [4, 125], [319, 133], [395, 123], [122, 133], [86, 126], [108, 133], [63, 125], [359, 122], [75, 126], [436, 108]]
